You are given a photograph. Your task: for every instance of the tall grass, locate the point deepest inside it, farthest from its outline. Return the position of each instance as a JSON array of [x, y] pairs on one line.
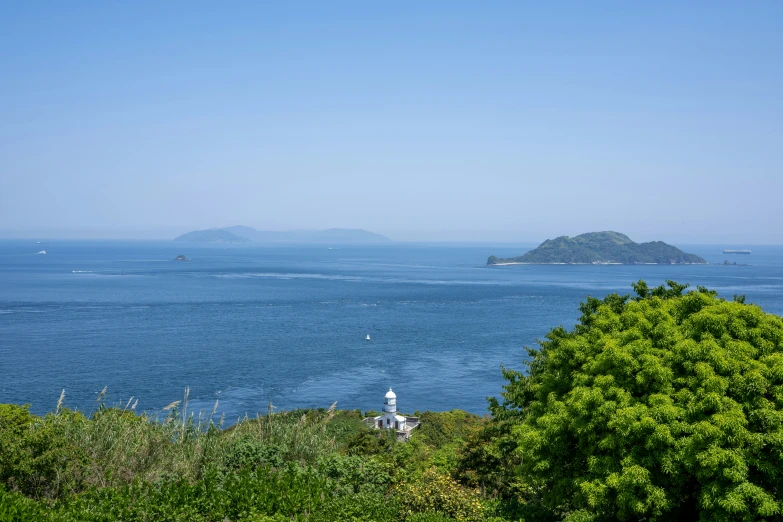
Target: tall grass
[[301, 436], [179, 464], [115, 445]]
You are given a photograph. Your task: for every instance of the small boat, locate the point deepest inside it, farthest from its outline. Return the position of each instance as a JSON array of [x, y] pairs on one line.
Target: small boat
[[368, 337], [42, 252]]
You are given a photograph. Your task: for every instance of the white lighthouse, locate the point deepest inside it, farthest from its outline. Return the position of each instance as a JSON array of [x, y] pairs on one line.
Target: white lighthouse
[[390, 420]]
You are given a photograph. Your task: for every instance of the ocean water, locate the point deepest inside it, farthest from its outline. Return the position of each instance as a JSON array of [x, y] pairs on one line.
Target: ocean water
[[247, 325]]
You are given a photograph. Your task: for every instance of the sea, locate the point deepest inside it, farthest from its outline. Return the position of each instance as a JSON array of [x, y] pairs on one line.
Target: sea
[[261, 328]]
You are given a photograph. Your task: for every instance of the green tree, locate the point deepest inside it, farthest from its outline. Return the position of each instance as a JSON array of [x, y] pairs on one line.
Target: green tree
[[668, 405]]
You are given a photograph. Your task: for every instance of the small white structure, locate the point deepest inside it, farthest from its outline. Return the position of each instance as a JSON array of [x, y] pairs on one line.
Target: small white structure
[[391, 421]]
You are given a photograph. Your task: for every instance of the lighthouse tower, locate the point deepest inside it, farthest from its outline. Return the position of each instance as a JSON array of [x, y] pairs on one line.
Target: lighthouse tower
[[389, 418], [390, 402]]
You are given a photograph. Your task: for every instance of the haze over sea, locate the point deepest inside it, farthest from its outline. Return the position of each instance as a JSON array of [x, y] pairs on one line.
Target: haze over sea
[[250, 324]]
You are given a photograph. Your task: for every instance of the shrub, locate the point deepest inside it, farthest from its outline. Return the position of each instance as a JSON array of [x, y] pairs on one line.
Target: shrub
[[361, 507], [353, 475], [344, 426], [38, 456], [249, 452], [429, 517], [436, 492], [441, 428], [17, 508]]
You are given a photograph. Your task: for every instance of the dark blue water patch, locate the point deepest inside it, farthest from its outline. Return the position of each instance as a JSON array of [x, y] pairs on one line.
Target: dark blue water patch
[[250, 325]]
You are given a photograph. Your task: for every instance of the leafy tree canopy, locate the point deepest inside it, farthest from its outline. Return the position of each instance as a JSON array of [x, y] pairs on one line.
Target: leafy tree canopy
[[667, 405]]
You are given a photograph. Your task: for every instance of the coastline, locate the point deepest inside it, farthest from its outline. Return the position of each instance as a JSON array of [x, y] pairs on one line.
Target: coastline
[[594, 263]]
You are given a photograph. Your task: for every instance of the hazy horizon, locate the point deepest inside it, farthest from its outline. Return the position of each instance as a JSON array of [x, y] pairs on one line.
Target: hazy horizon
[[168, 234], [440, 122]]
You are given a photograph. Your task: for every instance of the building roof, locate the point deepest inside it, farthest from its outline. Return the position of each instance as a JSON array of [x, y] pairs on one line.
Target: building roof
[[390, 394], [400, 418]]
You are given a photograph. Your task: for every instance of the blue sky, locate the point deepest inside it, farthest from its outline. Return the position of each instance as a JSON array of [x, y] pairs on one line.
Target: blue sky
[[513, 121]]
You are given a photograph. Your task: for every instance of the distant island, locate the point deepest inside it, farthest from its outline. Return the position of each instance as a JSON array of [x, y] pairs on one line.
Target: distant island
[[181, 257], [243, 234], [601, 248], [213, 235]]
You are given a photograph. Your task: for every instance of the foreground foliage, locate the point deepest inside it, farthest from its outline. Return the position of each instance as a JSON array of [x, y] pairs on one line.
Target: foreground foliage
[[658, 407], [314, 465]]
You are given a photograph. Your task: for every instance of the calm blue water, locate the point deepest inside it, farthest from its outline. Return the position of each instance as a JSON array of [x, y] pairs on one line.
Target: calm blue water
[[250, 324]]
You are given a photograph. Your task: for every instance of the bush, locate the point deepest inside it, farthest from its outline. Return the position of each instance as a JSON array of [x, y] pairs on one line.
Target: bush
[[354, 475], [249, 452], [17, 508], [38, 456], [344, 426], [246, 494], [441, 428], [359, 507], [436, 492], [429, 517]]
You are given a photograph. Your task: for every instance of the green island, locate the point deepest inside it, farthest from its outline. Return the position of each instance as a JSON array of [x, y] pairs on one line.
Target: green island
[[601, 248], [662, 405]]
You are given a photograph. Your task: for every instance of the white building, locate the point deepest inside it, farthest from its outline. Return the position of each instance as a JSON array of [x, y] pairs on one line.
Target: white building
[[390, 420]]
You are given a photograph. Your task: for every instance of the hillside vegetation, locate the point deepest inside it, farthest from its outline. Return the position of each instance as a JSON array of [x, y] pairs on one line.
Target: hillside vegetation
[[601, 247], [314, 465]]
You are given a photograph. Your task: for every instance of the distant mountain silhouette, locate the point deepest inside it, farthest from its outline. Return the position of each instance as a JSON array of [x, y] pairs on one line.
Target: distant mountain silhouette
[[213, 235], [243, 234]]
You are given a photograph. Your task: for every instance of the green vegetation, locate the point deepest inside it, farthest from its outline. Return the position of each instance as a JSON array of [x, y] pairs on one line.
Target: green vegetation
[[663, 406], [314, 465], [213, 235], [601, 247]]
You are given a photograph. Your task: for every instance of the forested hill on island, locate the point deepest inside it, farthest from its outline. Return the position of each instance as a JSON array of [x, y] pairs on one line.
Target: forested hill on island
[[243, 234], [601, 247]]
